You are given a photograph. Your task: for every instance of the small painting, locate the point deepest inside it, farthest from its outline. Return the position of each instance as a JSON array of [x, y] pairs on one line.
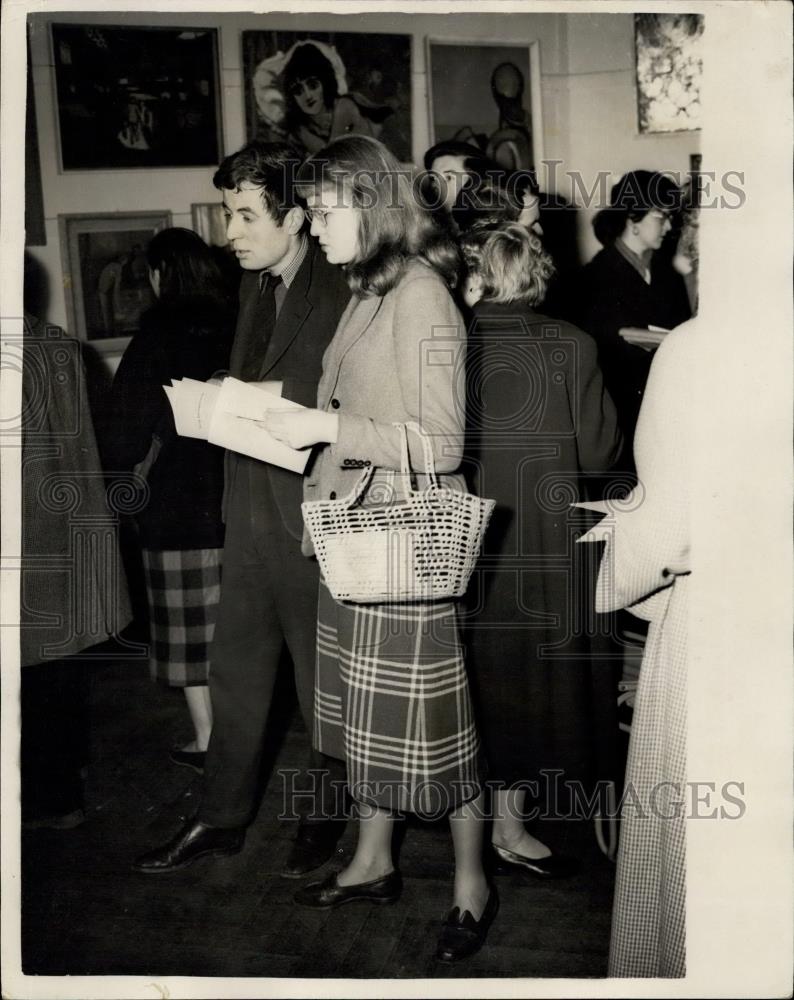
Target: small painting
[[106, 276], [669, 59], [487, 94]]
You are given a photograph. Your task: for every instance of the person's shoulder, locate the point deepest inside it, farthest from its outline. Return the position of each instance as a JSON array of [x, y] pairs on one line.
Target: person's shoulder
[[418, 275], [606, 259]]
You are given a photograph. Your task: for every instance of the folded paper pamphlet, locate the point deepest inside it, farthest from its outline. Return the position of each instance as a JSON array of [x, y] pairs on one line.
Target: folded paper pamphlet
[[228, 415]]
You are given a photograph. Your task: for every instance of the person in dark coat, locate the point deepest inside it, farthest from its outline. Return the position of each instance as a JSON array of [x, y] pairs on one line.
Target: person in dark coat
[[187, 334], [539, 420], [290, 302], [631, 285]]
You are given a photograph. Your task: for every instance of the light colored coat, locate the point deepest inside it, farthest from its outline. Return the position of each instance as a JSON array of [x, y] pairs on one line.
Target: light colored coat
[[645, 568], [393, 359]]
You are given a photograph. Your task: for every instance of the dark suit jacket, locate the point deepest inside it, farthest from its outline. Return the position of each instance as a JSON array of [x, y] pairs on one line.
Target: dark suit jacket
[[306, 323]]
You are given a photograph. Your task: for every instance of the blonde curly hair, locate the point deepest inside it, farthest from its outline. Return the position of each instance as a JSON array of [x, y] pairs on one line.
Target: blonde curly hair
[[509, 260]]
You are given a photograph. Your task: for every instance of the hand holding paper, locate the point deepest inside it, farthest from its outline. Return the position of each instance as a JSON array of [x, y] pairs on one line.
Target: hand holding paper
[[232, 416], [299, 430]]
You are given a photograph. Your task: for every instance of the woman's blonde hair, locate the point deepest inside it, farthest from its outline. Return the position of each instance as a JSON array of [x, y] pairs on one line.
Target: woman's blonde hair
[[510, 261], [394, 226]]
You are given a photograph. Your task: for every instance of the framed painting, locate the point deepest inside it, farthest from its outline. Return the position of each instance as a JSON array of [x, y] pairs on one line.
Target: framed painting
[[129, 97], [488, 94], [306, 89], [669, 68], [105, 274]]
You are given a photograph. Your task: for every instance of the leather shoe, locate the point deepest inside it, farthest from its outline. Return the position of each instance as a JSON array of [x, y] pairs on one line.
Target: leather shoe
[[552, 866], [329, 893], [313, 846], [195, 840], [194, 759], [462, 935]]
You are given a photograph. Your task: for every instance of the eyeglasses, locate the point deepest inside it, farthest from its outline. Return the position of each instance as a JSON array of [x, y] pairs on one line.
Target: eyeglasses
[[320, 214]]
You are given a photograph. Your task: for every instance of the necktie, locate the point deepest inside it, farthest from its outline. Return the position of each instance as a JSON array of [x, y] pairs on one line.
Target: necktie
[[263, 322]]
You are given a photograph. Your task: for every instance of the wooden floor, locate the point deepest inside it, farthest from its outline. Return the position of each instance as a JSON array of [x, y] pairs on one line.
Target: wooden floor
[[85, 912]]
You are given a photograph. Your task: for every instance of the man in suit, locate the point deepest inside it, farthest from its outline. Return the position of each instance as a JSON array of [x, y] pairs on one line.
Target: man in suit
[[290, 302]]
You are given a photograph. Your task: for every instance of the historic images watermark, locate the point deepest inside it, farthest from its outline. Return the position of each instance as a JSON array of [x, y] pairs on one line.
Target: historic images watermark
[[553, 797]]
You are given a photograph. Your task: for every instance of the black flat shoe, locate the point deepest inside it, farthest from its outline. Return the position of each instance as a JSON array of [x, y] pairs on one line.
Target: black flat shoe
[[194, 840], [462, 935], [314, 844], [552, 866], [327, 894], [193, 759]]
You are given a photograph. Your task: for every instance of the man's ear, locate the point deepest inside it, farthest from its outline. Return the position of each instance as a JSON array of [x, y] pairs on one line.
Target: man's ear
[[293, 220]]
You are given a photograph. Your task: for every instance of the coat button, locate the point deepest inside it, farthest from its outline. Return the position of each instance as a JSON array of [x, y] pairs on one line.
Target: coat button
[[335, 403], [333, 495]]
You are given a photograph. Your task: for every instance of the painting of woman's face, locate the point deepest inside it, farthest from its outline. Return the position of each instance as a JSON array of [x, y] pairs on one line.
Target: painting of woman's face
[[308, 95], [313, 70]]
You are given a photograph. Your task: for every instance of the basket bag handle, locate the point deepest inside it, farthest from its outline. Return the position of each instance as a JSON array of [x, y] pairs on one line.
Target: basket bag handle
[[405, 465]]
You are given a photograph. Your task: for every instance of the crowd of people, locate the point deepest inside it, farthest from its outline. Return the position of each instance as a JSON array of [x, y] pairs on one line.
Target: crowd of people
[[348, 271]]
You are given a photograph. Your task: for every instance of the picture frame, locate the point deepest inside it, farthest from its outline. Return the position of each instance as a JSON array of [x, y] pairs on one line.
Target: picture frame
[[105, 275], [462, 105], [129, 97], [364, 86], [208, 220], [668, 60]]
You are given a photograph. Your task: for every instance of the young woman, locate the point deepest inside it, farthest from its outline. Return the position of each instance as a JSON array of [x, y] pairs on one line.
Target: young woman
[[392, 698], [538, 420], [187, 334]]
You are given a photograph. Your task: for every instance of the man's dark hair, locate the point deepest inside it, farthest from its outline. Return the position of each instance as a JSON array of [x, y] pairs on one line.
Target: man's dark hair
[[270, 166]]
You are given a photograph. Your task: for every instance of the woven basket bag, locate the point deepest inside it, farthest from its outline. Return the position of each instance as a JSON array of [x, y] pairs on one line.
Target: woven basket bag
[[420, 548]]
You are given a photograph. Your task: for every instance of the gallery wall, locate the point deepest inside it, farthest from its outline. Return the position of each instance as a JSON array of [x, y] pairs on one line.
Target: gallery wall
[[588, 109]]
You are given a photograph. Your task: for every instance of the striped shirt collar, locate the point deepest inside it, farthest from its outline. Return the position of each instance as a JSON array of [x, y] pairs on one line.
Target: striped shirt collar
[[289, 271], [641, 264]]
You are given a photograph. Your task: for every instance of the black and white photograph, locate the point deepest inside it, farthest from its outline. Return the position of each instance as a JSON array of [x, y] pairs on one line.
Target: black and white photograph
[[396, 485], [136, 96]]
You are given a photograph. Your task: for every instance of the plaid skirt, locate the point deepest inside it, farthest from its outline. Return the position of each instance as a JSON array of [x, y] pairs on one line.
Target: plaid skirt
[[392, 700], [183, 590]]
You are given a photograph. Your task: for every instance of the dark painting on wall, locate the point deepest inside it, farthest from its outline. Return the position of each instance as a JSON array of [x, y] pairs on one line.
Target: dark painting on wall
[[35, 232], [106, 277], [307, 89], [136, 97]]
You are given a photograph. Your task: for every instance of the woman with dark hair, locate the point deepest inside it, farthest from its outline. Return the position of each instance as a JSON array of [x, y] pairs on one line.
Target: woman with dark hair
[[630, 286], [187, 334], [391, 698], [538, 420], [316, 110]]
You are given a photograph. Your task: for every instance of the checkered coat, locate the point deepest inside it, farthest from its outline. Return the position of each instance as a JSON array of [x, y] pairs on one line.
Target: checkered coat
[[392, 697], [645, 568]]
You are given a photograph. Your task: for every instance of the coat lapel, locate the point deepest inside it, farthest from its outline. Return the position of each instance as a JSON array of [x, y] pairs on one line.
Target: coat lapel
[[294, 311], [352, 327]]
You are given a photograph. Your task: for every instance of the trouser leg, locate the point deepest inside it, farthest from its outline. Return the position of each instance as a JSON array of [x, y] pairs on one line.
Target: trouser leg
[[244, 661]]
